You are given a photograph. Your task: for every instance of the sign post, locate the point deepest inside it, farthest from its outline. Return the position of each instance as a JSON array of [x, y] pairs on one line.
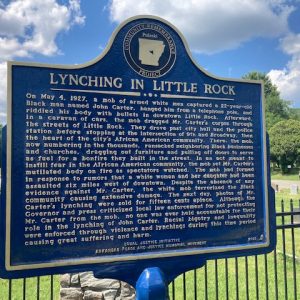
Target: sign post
[[138, 160], [152, 285]]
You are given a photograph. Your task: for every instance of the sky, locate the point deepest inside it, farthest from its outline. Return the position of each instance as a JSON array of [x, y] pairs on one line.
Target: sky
[[227, 38]]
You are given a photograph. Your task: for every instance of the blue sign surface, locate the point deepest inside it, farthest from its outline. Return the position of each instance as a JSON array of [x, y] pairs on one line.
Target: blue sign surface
[[139, 158]]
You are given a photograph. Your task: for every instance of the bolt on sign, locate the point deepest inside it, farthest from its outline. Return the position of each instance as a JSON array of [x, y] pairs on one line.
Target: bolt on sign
[[136, 159]]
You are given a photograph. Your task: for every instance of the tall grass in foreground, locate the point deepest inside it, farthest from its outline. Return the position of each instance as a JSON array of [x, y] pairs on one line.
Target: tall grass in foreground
[[272, 276], [34, 288], [256, 277]]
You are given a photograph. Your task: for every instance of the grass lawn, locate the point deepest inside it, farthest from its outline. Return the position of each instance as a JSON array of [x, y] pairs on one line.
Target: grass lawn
[[292, 175], [285, 200], [242, 279], [210, 286], [31, 290]]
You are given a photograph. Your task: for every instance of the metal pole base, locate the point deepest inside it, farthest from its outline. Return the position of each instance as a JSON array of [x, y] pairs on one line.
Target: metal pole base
[[152, 285]]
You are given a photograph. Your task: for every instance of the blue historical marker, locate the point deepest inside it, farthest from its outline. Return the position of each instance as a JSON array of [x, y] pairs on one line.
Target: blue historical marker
[[139, 159]]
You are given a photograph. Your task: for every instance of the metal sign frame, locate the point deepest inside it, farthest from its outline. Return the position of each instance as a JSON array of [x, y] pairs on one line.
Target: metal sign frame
[[164, 259]]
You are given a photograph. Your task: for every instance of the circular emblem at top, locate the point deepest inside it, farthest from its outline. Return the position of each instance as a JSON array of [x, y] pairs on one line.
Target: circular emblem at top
[[149, 49]]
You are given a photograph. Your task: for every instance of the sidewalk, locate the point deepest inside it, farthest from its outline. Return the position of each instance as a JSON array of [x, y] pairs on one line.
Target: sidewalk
[[285, 184]]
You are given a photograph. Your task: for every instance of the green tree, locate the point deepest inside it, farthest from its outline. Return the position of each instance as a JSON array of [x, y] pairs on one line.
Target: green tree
[[277, 109], [285, 143], [295, 114]]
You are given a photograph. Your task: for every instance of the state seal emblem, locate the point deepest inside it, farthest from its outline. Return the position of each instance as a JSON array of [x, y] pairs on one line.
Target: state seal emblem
[[149, 50]]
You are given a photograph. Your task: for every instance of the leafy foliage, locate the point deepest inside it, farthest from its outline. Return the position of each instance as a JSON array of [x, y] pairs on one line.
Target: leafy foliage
[[277, 109], [285, 143], [295, 113], [283, 124]]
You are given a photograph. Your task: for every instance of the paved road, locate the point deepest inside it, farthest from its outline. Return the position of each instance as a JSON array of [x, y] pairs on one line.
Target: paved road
[[285, 184]]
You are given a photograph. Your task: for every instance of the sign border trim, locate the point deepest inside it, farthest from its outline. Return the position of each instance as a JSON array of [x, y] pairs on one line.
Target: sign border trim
[[120, 258]]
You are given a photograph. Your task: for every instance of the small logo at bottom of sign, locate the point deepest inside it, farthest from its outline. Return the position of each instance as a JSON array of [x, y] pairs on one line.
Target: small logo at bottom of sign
[[149, 49]]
